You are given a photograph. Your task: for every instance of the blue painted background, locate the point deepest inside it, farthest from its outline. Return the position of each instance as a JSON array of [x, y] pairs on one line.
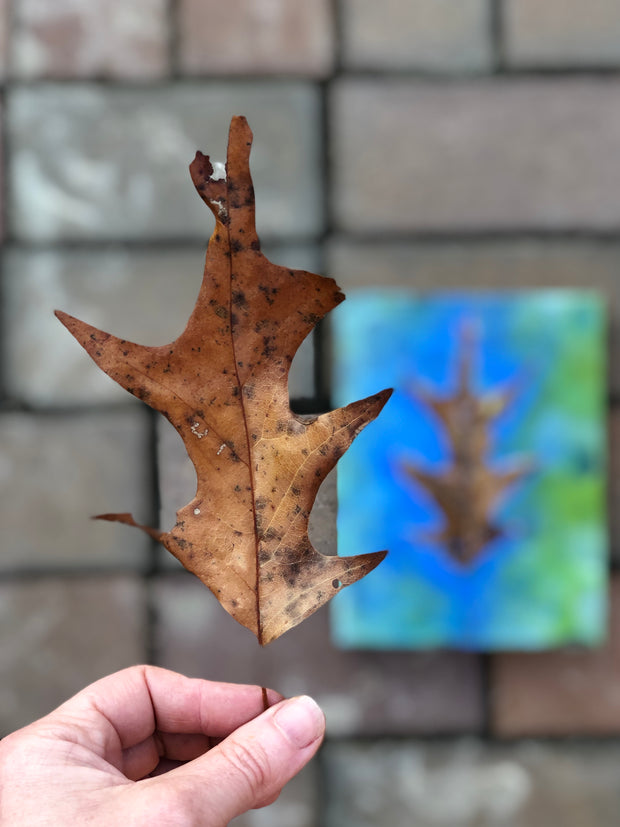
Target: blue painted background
[[544, 583]]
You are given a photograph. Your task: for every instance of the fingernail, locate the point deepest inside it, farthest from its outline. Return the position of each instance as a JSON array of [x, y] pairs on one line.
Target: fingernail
[[301, 720]]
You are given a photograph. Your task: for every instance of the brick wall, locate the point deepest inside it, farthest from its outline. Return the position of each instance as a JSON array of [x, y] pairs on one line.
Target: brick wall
[[412, 142]]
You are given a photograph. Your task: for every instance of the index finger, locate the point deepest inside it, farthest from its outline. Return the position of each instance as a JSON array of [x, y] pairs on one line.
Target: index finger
[[130, 705]]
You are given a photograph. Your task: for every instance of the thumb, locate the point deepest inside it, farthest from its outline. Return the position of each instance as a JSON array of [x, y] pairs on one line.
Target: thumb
[[249, 768]]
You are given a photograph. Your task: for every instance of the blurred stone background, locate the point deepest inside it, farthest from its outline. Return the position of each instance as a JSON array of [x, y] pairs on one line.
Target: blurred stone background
[[429, 143]]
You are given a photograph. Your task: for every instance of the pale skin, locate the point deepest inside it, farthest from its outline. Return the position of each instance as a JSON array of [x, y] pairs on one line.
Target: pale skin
[[146, 746]]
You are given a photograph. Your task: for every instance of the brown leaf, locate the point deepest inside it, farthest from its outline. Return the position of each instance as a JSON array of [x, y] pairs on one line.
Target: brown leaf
[[223, 385]]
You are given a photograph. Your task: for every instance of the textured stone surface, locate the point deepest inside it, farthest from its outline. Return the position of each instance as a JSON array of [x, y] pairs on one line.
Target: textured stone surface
[[94, 162], [142, 295], [297, 805], [560, 693], [57, 635], [467, 783], [264, 36], [55, 473], [562, 32], [493, 264], [73, 39], [472, 155], [435, 35], [361, 692]]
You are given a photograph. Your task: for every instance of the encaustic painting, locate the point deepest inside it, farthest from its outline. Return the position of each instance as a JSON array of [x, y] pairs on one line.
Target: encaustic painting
[[485, 475]]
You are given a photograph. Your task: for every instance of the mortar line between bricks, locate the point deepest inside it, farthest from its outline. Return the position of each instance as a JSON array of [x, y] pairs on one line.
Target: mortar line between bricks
[[155, 549], [321, 788], [497, 35], [69, 572], [174, 39], [533, 72], [169, 83], [70, 409], [477, 236], [485, 661], [450, 737], [506, 75], [4, 219], [321, 389], [13, 243], [153, 493], [301, 404], [337, 14]]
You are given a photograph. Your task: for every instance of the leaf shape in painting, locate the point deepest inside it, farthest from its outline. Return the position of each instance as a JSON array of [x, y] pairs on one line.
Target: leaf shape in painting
[[469, 488], [223, 384]]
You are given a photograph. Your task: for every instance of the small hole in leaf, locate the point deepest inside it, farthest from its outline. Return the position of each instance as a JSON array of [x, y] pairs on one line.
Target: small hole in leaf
[[336, 584]]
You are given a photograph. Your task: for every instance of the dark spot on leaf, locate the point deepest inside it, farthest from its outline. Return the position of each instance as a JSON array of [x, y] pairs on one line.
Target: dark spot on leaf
[[239, 300], [266, 293]]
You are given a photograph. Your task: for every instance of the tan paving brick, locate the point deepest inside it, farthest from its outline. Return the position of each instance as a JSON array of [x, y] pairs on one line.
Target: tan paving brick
[[72, 39], [261, 36], [562, 33], [565, 692]]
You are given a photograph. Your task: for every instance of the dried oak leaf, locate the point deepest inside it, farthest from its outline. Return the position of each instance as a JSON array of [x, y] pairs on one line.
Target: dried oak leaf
[[223, 384]]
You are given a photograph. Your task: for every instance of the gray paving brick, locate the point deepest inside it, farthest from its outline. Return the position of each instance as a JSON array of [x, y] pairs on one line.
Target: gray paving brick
[[466, 783], [361, 692], [58, 635], [431, 35], [562, 33], [145, 296], [247, 36], [56, 471], [78, 40], [500, 154], [96, 162]]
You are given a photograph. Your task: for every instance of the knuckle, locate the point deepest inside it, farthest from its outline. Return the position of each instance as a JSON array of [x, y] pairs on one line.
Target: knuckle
[[252, 763]]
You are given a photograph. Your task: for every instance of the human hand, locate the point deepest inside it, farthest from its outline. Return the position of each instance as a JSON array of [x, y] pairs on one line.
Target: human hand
[[149, 746]]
